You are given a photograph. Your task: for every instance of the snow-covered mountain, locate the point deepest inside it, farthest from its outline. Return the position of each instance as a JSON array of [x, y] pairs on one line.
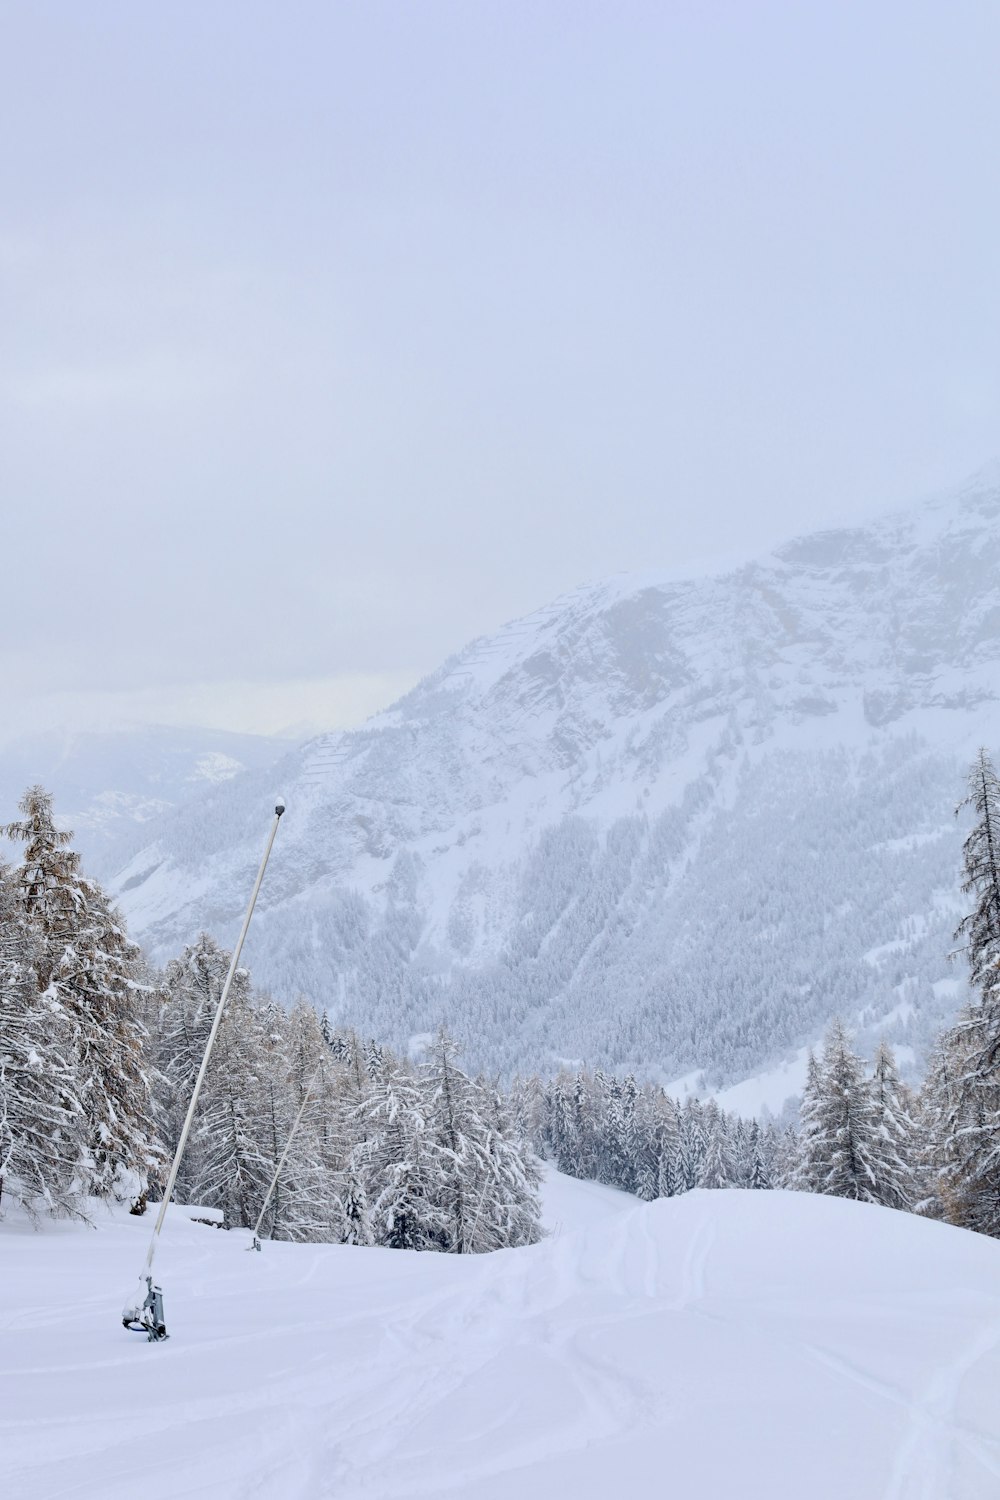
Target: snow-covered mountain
[[108, 785], [666, 824]]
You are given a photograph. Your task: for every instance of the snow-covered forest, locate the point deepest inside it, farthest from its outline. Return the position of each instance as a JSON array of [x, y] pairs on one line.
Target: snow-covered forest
[[99, 1053], [98, 1058]]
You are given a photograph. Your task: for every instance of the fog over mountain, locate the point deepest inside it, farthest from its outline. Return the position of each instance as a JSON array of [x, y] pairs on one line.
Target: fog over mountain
[[108, 785], [663, 824]]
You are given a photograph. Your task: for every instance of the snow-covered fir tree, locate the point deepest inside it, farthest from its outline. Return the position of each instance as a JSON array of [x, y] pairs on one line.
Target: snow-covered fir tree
[[893, 1150], [966, 1114], [356, 1221], [810, 1154], [86, 966], [841, 1140], [980, 928], [39, 1111], [402, 1180], [716, 1170]]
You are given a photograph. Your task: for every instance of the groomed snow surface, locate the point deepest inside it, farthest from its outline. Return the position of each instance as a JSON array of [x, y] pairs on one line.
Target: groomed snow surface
[[727, 1345]]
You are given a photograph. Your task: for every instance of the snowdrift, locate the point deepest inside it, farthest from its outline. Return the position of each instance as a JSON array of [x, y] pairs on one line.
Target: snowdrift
[[722, 1344]]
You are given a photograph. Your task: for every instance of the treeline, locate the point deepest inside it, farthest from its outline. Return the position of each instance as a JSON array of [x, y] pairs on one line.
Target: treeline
[[386, 1152], [860, 1136], [867, 1136], [98, 1058], [640, 1139]]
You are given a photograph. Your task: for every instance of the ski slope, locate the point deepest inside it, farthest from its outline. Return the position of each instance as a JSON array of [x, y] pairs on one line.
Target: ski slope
[[730, 1345]]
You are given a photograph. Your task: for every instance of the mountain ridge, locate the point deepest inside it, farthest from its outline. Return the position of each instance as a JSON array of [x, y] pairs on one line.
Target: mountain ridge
[[534, 838]]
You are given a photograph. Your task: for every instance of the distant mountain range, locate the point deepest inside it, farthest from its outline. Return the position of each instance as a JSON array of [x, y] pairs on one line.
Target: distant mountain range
[[108, 786], [667, 825]]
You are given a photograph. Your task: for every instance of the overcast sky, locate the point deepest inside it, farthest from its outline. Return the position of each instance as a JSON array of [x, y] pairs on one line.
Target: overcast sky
[[333, 335]]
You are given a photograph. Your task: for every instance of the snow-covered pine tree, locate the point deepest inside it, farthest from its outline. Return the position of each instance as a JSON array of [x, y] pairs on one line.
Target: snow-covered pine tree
[[47, 879], [400, 1177], [692, 1143], [967, 1150], [561, 1126], [981, 859], [301, 1206], [454, 1137], [937, 1163], [893, 1143], [760, 1173], [98, 977], [809, 1160], [87, 964], [374, 1059], [235, 1135], [357, 1225], [584, 1128], [783, 1160], [845, 1135], [613, 1165], [630, 1135], [716, 1167], [310, 1063], [39, 1112], [191, 988], [488, 1175], [649, 1145], [739, 1152], [671, 1177], [508, 1213]]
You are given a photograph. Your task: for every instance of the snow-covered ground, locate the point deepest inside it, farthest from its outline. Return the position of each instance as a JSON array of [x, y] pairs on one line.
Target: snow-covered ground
[[728, 1345]]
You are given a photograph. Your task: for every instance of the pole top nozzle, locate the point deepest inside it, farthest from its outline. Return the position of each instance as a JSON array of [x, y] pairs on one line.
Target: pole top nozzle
[[279, 807]]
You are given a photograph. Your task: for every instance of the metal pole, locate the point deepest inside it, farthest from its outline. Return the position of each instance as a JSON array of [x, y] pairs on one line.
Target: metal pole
[[134, 1312], [281, 1162]]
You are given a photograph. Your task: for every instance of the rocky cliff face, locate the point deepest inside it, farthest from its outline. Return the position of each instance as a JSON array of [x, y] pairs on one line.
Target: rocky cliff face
[[671, 824]]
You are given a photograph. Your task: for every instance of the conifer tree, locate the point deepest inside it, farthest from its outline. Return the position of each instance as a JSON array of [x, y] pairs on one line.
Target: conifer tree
[[452, 1138], [488, 1177], [238, 1138], [39, 1111], [85, 962], [968, 1149], [716, 1167], [671, 1173], [893, 1144], [301, 1205], [192, 986], [583, 1126], [97, 979], [399, 1175], [845, 1132], [981, 858], [760, 1174], [357, 1226], [692, 1152], [808, 1161], [938, 1160], [649, 1134], [509, 1210]]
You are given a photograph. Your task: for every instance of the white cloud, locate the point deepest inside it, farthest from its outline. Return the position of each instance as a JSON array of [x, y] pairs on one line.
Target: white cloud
[[152, 380]]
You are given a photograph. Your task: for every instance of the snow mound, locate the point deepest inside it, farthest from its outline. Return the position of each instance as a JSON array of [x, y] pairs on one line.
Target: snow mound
[[723, 1344]]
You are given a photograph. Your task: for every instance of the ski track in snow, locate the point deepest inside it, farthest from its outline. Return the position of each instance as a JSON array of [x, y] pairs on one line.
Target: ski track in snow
[[743, 1344]]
